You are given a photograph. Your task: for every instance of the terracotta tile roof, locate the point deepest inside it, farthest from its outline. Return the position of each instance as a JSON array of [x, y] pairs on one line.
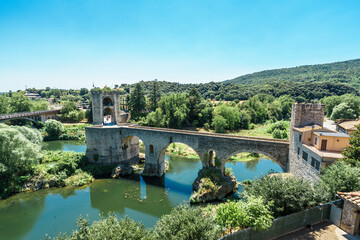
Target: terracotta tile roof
[[353, 197], [350, 125]]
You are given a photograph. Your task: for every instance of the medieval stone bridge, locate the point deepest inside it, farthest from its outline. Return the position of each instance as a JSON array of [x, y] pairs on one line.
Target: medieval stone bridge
[[31, 116], [120, 144]]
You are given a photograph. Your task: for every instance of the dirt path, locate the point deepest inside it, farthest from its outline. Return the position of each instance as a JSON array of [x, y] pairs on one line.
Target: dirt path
[[321, 231]]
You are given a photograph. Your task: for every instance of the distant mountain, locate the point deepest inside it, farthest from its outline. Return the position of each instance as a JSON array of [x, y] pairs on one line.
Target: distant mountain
[[338, 72]]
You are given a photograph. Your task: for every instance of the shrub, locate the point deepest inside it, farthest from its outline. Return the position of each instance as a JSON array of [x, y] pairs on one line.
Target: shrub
[[206, 126], [18, 155], [251, 212], [288, 194], [219, 123], [186, 223], [107, 228], [54, 128], [339, 177]]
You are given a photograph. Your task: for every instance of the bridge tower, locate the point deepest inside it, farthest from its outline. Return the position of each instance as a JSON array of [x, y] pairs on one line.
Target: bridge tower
[[107, 104]]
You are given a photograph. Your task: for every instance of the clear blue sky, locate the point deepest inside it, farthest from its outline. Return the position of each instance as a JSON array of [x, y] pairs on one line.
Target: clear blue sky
[[71, 44]]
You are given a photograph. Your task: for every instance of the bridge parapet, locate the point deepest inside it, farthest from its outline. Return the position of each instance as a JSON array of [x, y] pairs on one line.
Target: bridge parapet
[[118, 144]]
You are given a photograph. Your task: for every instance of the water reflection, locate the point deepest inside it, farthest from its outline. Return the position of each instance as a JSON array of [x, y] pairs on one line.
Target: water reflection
[[31, 215], [66, 146]]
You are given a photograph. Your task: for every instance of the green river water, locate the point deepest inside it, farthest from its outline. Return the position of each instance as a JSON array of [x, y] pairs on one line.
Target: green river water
[[30, 215]]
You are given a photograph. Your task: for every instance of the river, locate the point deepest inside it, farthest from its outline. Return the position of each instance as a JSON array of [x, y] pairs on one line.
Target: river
[[30, 215]]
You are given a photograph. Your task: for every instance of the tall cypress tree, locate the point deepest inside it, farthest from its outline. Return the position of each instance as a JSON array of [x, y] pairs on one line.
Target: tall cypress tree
[[137, 99], [154, 96], [194, 102]]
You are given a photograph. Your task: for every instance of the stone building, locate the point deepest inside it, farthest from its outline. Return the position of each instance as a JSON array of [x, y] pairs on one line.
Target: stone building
[[350, 220], [311, 145]]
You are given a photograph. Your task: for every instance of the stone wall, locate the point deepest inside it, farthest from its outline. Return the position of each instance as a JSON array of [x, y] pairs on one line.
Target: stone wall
[[304, 115], [350, 221], [98, 97], [307, 114], [120, 144], [297, 165]]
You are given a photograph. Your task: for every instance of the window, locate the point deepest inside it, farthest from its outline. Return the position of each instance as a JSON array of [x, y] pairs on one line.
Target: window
[[313, 160], [317, 165], [315, 140], [300, 137], [151, 149], [298, 151], [305, 156]]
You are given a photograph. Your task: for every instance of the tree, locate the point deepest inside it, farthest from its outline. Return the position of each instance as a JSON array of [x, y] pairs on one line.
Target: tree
[[154, 96], [17, 157], [194, 102], [4, 104], [186, 223], [83, 91], [108, 228], [219, 123], [343, 111], [38, 105], [352, 152], [54, 128], [339, 177], [137, 99], [230, 114], [289, 195], [175, 110], [330, 102], [19, 103]]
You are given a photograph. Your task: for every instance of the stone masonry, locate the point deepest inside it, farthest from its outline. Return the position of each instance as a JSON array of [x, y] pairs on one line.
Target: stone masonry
[[304, 115]]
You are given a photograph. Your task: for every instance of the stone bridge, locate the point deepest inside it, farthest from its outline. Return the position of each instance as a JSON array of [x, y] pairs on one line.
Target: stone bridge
[[31, 116], [120, 144]]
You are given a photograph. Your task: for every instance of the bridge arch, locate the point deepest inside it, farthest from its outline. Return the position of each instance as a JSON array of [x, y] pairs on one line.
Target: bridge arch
[[19, 118], [131, 148], [260, 151]]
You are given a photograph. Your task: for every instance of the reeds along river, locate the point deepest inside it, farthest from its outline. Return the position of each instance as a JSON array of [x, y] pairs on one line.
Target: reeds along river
[[31, 215]]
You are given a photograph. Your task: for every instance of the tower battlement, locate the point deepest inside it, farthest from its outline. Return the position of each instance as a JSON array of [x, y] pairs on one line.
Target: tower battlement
[[303, 114]]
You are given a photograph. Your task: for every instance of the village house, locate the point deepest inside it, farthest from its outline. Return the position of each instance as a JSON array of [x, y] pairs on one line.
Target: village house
[[350, 220], [347, 126]]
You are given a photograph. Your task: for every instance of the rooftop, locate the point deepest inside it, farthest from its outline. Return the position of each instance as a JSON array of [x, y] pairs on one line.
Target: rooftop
[[350, 125], [330, 134], [353, 197], [308, 128], [324, 153]]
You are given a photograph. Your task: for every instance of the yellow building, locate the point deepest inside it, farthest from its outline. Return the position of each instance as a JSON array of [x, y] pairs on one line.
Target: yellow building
[[330, 141]]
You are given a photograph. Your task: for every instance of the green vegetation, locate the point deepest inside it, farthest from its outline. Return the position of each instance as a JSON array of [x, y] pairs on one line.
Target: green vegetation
[[182, 150], [352, 152], [244, 157], [107, 228], [342, 107], [288, 194], [250, 212], [338, 177], [19, 153], [71, 113], [280, 129], [300, 91], [186, 223], [338, 72], [54, 128]]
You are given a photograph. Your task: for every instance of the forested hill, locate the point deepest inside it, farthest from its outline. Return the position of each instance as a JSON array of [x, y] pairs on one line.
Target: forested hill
[[339, 72]]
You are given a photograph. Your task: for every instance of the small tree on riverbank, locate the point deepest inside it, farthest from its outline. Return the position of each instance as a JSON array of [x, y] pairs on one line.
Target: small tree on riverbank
[[54, 128]]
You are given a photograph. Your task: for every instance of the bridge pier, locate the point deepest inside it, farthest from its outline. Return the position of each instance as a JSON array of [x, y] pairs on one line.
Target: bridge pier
[[120, 144]]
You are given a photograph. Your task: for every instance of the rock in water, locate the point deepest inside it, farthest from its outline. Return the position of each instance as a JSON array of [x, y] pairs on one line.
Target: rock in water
[[212, 185], [122, 170]]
